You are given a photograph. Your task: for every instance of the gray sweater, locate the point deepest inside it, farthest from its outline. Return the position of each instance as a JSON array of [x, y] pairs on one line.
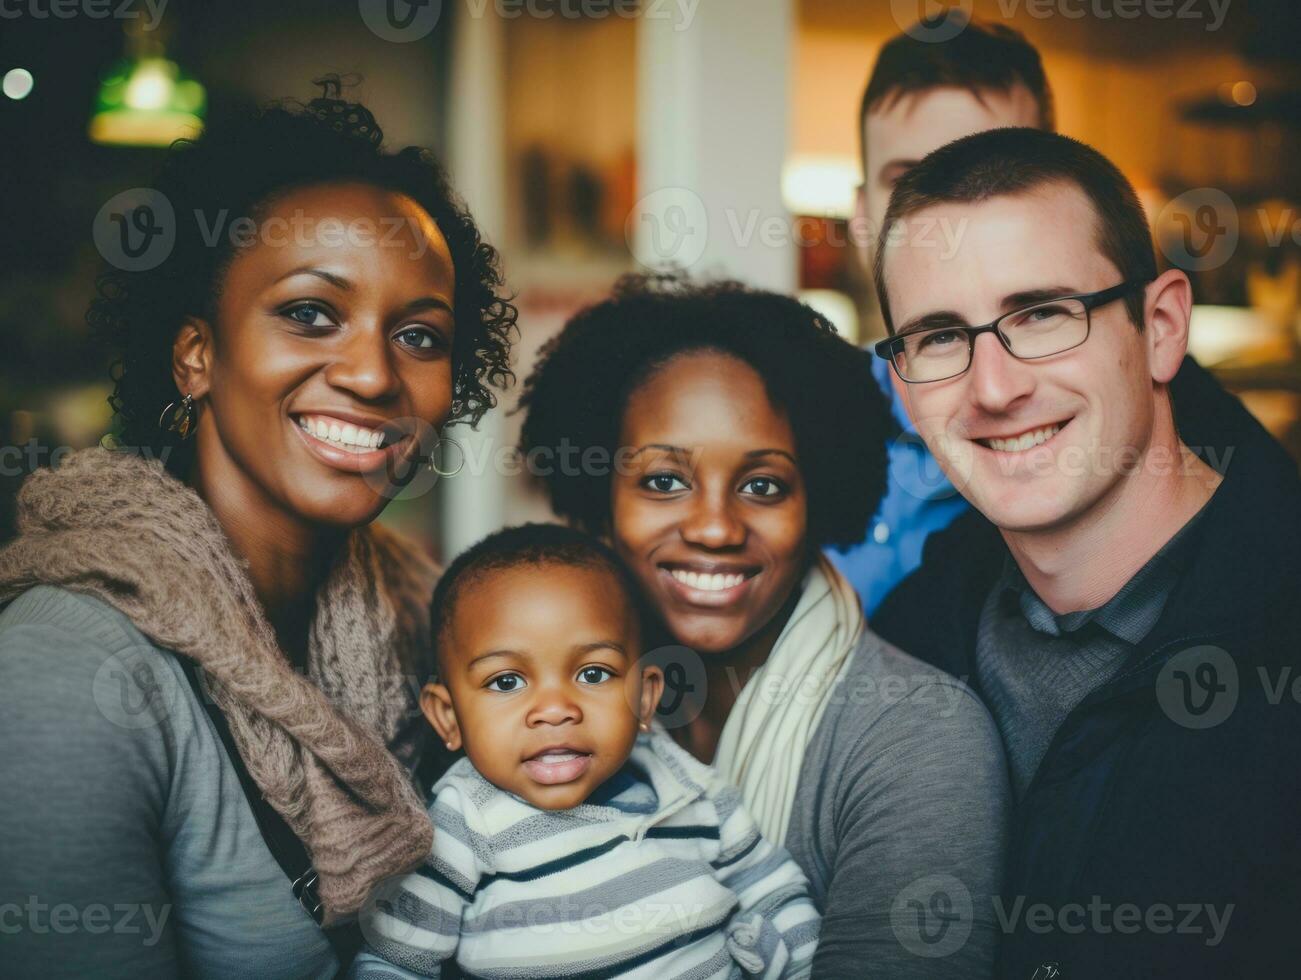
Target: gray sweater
[[127, 846], [900, 822], [128, 849]]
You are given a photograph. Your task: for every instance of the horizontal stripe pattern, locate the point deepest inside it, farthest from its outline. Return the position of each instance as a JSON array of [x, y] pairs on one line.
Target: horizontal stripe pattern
[[516, 893]]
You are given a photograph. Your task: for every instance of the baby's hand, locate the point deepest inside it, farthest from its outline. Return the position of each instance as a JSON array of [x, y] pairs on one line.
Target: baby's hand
[[745, 941]]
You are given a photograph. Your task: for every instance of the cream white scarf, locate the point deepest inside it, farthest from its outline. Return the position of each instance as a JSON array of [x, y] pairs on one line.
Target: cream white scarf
[[761, 749]]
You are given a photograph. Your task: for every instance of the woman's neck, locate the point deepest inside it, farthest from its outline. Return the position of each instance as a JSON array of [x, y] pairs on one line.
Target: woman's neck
[[726, 675], [285, 556]]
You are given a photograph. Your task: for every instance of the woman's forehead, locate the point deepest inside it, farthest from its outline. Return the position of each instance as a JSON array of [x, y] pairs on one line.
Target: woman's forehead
[[701, 398], [370, 242]]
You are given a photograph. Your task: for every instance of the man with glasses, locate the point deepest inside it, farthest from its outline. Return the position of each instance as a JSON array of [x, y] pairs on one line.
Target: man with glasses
[[922, 93], [1125, 606]]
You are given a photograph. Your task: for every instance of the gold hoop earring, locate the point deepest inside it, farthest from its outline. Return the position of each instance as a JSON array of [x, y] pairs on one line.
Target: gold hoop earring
[[179, 417], [459, 466]]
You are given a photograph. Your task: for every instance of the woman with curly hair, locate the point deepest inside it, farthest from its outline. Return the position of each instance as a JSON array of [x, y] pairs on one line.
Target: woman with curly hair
[[728, 435], [208, 652]]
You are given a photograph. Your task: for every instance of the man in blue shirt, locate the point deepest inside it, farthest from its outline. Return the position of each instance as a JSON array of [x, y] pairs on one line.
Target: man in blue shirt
[[925, 92]]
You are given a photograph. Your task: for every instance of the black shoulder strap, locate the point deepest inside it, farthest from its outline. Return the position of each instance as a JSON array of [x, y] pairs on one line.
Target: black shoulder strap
[[280, 840]]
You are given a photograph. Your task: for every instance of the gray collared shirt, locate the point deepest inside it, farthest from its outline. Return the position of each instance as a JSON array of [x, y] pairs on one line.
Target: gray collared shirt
[[1035, 665]]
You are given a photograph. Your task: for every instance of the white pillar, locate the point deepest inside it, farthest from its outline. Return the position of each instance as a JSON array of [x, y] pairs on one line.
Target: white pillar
[[713, 100], [473, 501]]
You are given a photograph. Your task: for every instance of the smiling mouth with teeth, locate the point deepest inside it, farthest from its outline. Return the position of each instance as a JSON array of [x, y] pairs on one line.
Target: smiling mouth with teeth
[[705, 582], [342, 435], [1026, 440]]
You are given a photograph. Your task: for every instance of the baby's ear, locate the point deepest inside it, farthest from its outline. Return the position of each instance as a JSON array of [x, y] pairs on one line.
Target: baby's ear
[[436, 704], [652, 688]]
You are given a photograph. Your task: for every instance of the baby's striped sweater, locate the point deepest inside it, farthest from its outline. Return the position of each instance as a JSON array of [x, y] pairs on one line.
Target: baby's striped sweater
[[685, 888]]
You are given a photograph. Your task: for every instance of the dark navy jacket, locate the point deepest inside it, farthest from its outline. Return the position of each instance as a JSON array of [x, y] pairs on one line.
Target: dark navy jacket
[[1177, 785]]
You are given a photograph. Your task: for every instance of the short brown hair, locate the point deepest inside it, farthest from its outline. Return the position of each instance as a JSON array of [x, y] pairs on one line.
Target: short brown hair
[[981, 57], [1000, 162]]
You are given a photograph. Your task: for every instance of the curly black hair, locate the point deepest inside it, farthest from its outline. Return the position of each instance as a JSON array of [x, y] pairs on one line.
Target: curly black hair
[[237, 168], [527, 544], [841, 421]]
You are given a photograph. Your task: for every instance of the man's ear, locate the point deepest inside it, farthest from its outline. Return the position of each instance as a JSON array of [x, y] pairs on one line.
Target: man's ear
[[652, 688], [1167, 309], [436, 705], [192, 357]]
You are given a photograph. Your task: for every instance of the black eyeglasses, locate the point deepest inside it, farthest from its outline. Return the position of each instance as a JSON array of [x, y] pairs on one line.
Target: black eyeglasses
[[1041, 330]]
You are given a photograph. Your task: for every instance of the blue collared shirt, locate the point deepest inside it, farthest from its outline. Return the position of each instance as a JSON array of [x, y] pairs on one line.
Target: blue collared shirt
[[918, 499]]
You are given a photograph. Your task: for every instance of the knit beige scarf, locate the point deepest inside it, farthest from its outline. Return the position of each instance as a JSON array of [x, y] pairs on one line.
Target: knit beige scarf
[[761, 749], [120, 528]]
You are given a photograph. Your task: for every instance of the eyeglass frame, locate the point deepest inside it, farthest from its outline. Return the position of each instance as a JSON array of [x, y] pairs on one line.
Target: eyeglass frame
[[887, 348]]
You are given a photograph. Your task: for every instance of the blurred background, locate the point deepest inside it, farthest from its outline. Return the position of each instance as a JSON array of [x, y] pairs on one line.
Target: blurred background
[[594, 137]]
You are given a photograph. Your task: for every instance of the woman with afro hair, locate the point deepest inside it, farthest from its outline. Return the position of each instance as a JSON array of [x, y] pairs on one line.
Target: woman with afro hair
[[208, 651], [719, 437]]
